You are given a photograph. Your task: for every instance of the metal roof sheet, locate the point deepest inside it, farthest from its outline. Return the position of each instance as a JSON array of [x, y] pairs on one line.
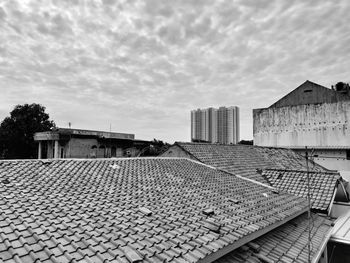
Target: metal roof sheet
[[341, 231]]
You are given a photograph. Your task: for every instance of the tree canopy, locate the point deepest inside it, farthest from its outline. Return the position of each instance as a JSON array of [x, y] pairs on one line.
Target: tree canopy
[[155, 148], [341, 86], [17, 131]]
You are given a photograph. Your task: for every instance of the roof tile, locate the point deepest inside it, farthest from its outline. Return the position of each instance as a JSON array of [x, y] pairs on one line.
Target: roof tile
[[322, 185], [286, 243], [245, 160], [83, 210]]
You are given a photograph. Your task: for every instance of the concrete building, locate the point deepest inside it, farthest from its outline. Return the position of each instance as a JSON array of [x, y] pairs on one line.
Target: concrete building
[[76, 143], [215, 125], [312, 116]]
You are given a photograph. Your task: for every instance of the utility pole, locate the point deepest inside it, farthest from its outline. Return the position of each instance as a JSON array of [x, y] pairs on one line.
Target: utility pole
[[309, 205]]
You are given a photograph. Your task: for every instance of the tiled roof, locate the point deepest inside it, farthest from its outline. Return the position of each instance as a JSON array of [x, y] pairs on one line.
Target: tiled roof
[[285, 244], [322, 185], [244, 160], [131, 210]]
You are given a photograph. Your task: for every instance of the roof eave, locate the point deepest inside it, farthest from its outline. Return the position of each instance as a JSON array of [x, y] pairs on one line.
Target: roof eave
[[222, 252], [318, 254]]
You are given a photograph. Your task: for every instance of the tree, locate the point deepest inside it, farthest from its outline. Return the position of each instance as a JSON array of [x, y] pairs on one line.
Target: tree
[[340, 86], [17, 131], [155, 148]]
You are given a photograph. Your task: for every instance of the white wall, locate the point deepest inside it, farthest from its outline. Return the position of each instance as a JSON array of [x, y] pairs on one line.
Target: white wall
[[303, 125]]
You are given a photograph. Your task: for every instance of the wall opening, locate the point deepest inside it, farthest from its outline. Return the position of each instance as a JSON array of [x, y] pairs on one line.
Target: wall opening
[[113, 151], [93, 152]]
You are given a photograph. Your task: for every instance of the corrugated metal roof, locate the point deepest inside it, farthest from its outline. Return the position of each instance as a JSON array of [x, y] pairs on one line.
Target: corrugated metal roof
[[341, 231]]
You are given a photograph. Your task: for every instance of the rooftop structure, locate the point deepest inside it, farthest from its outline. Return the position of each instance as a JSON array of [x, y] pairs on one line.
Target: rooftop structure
[[309, 116], [312, 93], [63, 133], [77, 143], [132, 210]]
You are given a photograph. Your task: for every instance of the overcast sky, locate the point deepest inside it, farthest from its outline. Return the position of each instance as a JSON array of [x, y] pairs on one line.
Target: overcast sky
[[142, 66]]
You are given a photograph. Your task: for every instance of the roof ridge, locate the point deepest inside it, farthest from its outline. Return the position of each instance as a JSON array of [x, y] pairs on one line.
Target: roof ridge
[[92, 159]]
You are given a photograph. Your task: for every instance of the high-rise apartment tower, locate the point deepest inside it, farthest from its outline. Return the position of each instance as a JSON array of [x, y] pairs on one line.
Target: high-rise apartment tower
[[215, 125]]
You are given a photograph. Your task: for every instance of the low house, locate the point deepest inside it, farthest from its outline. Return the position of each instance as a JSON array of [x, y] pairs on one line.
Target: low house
[[143, 210], [76, 143]]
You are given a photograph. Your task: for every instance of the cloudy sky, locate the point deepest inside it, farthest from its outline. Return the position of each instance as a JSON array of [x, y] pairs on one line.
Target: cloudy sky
[[142, 65]]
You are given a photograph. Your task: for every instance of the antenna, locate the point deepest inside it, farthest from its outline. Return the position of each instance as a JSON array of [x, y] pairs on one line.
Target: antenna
[[309, 204]]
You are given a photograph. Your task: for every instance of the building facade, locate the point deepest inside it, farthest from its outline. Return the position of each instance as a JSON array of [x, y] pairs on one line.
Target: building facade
[[75, 143], [310, 116], [215, 125]]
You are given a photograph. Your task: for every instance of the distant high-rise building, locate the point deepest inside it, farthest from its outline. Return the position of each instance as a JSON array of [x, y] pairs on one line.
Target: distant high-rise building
[[215, 125]]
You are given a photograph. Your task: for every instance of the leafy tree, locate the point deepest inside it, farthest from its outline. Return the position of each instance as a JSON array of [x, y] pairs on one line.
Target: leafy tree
[[340, 86], [17, 131], [155, 148]]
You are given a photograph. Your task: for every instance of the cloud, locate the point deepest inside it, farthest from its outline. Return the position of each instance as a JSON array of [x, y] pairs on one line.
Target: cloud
[[143, 65]]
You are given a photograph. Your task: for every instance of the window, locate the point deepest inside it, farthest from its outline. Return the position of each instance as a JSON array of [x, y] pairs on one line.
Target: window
[[347, 154], [308, 90]]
